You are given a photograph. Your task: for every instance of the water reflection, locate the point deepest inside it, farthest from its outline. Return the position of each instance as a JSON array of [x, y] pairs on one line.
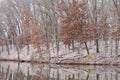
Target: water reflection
[[25, 71]]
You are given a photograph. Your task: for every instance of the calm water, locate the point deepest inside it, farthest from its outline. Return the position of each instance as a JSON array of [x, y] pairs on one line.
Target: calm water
[[26, 71]]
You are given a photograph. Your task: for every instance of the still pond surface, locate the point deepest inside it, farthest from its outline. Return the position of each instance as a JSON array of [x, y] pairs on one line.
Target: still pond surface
[[26, 71]]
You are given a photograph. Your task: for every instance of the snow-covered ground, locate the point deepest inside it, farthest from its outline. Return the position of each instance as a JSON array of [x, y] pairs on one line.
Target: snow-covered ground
[[107, 54], [23, 54]]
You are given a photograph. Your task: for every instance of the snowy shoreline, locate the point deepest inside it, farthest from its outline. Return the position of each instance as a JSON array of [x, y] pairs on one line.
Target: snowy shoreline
[[65, 56], [62, 63]]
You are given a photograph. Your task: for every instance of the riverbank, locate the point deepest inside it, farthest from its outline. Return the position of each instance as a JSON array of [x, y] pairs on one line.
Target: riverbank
[[107, 55], [69, 62]]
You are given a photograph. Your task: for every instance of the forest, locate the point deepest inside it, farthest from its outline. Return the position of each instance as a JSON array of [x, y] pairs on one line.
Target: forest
[[60, 31]]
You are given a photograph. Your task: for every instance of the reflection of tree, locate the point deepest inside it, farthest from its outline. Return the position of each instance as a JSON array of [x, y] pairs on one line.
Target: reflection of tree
[[19, 76], [116, 76], [55, 72], [7, 72], [97, 76]]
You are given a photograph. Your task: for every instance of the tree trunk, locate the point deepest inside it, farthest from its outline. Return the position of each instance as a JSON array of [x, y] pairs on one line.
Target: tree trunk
[[27, 46], [73, 45], [47, 39], [97, 46], [17, 51], [86, 48], [48, 51], [116, 47], [7, 46], [2, 48], [56, 41]]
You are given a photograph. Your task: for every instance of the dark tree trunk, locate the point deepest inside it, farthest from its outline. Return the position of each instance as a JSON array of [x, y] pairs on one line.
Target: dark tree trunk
[[2, 48], [7, 46], [97, 46], [73, 45], [86, 48], [116, 47], [27, 42]]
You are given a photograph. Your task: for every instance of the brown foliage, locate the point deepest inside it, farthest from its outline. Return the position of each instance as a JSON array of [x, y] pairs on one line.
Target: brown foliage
[[32, 31], [20, 41], [74, 22], [2, 41]]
